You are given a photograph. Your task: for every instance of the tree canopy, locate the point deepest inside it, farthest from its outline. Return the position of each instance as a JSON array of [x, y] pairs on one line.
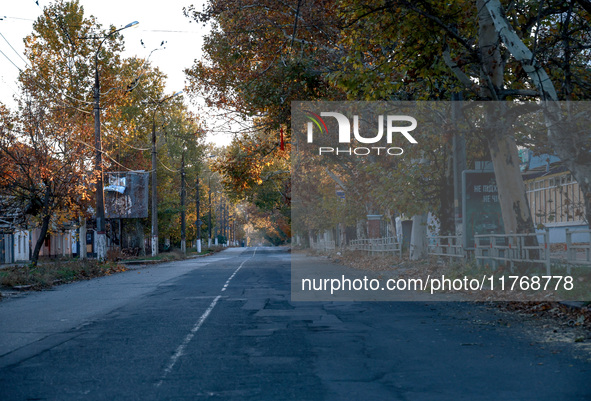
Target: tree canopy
[[401, 50]]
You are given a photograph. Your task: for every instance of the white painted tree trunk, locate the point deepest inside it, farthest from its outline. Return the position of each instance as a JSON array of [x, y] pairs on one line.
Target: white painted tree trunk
[[154, 244], [101, 246], [82, 253], [516, 213], [503, 149], [418, 237]]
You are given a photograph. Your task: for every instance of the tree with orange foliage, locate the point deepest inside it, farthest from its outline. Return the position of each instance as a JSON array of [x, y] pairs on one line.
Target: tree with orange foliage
[[259, 57], [47, 148], [40, 169]]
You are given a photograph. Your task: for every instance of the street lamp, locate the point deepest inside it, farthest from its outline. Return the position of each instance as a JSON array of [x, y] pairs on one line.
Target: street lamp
[[209, 239], [209, 217], [101, 239], [220, 219], [154, 240], [197, 213], [183, 213], [198, 221]]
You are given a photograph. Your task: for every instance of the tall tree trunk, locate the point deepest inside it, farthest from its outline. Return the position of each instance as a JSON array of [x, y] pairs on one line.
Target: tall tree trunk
[[44, 226], [511, 189], [418, 237], [391, 221], [503, 149], [569, 150], [82, 239]]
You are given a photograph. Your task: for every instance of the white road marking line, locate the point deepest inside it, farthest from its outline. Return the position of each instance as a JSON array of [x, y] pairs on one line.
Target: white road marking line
[[181, 348]]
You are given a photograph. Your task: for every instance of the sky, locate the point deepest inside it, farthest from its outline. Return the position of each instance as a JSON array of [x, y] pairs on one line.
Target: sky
[[158, 21]]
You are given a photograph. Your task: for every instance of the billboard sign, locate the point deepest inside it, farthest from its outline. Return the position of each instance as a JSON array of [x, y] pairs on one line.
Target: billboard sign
[[126, 195], [482, 210]]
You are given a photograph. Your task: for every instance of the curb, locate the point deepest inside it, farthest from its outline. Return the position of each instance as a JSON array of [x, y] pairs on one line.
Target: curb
[[137, 264], [155, 262]]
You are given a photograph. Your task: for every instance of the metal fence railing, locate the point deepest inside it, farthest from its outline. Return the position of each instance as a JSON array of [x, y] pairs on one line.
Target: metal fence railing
[[377, 245], [449, 246], [578, 252], [497, 249], [492, 249], [324, 246]]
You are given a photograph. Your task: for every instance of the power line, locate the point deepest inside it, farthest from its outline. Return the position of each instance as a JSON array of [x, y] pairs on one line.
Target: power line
[[13, 49], [57, 90], [48, 83], [9, 86], [35, 80], [19, 18], [169, 31], [12, 62], [119, 136]]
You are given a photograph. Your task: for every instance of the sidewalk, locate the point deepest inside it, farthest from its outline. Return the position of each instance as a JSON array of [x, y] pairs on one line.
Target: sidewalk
[[50, 273]]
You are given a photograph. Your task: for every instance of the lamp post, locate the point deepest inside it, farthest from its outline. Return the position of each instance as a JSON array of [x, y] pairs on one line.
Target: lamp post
[[154, 239], [226, 221], [183, 193], [101, 239], [209, 238], [222, 220], [197, 211], [209, 241]]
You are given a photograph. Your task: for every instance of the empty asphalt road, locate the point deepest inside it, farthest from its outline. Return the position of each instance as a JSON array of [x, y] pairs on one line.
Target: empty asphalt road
[[225, 328]]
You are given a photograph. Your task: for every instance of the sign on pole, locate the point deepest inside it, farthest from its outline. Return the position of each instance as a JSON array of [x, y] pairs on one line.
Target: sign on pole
[[126, 196]]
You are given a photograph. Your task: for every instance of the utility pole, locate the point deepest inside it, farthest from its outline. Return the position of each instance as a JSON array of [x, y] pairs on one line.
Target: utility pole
[[223, 206], [101, 238], [459, 163], [101, 235], [218, 221], [226, 222], [154, 239], [209, 241], [183, 227], [198, 219]]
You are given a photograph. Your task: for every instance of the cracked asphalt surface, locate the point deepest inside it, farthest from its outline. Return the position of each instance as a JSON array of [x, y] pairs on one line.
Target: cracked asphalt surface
[[225, 328]]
